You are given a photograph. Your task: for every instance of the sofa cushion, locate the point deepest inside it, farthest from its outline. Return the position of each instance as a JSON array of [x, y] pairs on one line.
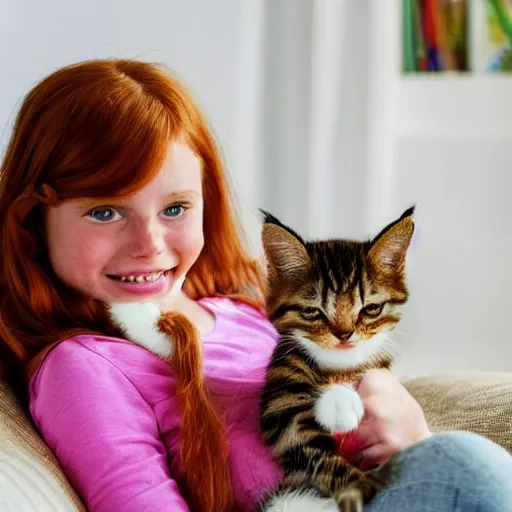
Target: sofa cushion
[[480, 402], [30, 477]]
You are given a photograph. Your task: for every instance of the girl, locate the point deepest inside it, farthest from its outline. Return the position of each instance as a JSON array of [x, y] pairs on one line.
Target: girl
[[112, 190]]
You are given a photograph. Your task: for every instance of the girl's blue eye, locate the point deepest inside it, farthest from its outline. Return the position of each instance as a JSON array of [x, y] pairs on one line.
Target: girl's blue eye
[[102, 215], [174, 211]]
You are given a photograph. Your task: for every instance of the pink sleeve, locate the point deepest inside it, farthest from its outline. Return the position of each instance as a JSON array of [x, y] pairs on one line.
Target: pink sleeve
[[103, 432]]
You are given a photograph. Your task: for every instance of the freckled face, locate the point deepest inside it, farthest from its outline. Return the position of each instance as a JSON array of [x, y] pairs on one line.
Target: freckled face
[[133, 248]]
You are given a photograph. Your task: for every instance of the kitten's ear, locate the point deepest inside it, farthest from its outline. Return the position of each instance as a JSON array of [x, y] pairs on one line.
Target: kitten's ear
[[389, 247], [286, 254]]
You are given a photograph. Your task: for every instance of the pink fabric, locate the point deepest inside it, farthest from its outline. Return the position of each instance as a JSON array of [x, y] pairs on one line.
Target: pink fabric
[[105, 406]]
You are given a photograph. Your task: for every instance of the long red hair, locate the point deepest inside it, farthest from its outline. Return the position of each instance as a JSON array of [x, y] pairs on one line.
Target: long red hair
[[96, 129]]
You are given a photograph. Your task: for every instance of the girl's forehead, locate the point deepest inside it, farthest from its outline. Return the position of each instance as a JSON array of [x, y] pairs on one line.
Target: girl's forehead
[[181, 170]]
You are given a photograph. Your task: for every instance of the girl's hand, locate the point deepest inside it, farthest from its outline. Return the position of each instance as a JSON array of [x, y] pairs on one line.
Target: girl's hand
[[393, 420]]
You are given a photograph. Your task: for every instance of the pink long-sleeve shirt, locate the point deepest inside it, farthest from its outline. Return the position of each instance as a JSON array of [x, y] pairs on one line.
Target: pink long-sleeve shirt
[[105, 406]]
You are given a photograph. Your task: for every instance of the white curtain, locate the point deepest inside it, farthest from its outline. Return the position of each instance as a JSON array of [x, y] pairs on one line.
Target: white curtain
[[302, 113]]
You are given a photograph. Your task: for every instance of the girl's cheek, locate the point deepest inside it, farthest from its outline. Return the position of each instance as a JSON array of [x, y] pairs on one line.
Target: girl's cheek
[[86, 250], [95, 243], [188, 236], [185, 243]]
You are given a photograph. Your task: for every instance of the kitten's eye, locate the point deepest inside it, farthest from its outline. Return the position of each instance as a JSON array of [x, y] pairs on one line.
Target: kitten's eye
[[373, 309], [311, 313]]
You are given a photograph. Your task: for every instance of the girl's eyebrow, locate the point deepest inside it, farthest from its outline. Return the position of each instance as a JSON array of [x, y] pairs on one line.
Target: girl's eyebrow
[[90, 202], [182, 194]]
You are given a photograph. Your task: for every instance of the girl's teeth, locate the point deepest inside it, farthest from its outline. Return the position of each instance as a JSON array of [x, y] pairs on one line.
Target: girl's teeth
[[141, 279]]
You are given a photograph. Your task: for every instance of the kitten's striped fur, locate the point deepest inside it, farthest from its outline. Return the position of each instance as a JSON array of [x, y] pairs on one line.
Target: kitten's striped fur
[[332, 303]]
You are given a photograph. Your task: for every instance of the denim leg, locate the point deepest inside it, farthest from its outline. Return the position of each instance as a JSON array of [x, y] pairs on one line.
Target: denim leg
[[450, 472]]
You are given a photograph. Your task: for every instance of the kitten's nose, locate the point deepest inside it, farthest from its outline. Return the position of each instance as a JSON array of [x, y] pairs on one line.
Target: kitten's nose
[[343, 336]]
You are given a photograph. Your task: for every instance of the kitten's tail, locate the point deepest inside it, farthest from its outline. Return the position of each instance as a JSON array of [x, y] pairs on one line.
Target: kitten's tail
[[203, 446]]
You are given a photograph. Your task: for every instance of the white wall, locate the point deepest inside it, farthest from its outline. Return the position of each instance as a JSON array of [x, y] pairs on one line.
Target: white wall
[[313, 141]]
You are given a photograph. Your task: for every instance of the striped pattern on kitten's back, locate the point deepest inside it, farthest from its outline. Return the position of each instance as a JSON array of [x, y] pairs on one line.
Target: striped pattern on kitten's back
[[332, 303]]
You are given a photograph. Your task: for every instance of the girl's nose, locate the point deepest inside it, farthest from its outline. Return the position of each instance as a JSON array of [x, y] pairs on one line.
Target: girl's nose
[[147, 239]]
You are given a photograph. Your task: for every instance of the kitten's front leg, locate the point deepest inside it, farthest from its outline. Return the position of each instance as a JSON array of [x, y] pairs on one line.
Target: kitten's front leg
[[339, 408]]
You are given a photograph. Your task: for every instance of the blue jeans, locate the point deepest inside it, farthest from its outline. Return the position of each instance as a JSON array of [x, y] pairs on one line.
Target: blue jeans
[[450, 472]]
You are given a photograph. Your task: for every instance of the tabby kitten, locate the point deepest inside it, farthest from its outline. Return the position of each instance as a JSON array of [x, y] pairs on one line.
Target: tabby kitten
[[332, 303]]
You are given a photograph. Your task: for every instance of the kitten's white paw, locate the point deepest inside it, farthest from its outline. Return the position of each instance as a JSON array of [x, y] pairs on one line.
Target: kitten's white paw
[[301, 501], [339, 409], [139, 322]]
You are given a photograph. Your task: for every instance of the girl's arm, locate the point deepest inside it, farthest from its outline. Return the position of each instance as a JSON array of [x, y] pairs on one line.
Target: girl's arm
[[103, 432]]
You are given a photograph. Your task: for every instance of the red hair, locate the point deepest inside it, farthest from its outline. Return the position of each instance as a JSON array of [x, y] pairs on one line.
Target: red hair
[[101, 129]]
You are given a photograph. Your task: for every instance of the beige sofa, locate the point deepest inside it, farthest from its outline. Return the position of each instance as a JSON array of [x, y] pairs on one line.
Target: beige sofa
[[30, 478]]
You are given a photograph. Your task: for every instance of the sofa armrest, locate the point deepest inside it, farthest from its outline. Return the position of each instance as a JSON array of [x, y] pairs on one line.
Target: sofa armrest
[[479, 402], [30, 477]]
